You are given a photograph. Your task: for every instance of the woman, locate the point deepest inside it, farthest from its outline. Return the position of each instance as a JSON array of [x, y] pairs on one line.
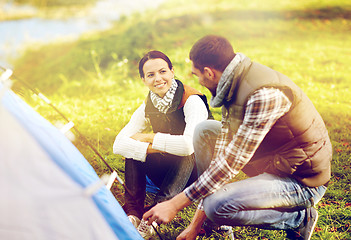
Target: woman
[[172, 109]]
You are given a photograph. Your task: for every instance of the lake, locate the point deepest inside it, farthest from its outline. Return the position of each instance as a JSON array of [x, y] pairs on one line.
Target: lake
[[16, 35]]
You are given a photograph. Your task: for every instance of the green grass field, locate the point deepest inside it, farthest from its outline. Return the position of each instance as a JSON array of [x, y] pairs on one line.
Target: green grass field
[[94, 81]]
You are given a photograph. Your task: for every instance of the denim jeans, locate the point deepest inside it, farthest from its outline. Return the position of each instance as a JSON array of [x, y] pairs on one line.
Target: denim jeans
[[170, 173], [264, 201]]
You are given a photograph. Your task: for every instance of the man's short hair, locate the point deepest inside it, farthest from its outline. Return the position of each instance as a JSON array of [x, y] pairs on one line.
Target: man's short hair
[[212, 51]]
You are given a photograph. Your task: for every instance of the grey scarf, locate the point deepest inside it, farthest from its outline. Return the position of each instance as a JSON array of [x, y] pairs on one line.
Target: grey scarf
[[163, 104], [225, 82]]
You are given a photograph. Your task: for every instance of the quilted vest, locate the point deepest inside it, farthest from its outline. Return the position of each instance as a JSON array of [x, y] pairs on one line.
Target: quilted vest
[[173, 121], [298, 144]]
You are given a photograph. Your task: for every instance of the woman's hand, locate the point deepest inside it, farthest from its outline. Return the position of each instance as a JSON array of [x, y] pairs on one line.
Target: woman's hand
[[144, 137], [148, 138]]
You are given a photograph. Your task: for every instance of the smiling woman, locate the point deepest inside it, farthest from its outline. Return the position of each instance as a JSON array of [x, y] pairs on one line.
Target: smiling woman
[[157, 73], [172, 110]]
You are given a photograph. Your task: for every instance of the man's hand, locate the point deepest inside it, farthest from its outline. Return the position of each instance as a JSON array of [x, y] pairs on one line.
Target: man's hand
[[194, 228], [164, 212], [188, 234]]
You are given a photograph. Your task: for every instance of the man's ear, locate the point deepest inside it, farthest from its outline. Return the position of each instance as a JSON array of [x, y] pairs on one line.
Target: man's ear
[[209, 73], [212, 74]]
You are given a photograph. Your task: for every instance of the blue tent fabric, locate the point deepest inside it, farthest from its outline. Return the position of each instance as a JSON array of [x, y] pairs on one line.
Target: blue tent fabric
[[71, 161]]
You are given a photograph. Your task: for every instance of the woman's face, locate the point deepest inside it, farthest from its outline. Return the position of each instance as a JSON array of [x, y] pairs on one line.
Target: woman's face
[[157, 76]]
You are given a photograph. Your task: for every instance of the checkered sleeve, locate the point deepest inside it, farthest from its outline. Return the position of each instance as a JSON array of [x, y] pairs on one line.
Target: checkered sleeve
[[232, 152]]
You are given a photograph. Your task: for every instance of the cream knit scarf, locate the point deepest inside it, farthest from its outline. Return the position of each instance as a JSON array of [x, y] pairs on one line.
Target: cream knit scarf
[[163, 104]]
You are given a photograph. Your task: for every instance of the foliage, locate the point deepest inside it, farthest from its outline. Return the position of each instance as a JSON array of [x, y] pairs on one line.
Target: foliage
[[94, 81], [54, 3]]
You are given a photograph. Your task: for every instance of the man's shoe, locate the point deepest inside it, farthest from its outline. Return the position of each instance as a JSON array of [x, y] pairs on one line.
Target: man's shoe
[[134, 220], [147, 231], [306, 228]]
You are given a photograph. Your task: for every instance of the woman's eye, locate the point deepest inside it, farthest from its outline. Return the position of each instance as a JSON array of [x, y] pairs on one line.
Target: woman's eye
[[150, 75]]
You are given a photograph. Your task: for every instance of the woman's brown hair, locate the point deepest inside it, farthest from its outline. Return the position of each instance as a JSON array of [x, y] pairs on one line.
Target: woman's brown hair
[[153, 55]]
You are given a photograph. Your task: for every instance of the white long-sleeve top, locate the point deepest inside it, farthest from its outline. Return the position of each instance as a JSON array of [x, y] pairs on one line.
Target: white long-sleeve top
[[182, 145]]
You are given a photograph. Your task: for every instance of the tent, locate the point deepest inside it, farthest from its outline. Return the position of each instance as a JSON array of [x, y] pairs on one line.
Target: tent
[[48, 189]]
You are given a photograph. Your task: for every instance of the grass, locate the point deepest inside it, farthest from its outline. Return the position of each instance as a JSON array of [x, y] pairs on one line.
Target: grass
[[94, 81]]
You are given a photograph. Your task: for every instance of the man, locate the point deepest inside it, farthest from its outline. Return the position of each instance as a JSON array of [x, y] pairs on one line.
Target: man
[[271, 131]]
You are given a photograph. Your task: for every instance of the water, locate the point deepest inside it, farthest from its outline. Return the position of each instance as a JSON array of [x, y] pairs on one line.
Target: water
[[16, 35]]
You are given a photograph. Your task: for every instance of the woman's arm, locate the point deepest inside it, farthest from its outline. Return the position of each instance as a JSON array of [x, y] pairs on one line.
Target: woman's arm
[[195, 112], [146, 137], [124, 143]]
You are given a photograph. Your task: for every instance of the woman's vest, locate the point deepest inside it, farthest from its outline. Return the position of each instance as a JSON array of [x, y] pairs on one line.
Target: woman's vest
[[298, 144], [173, 121]]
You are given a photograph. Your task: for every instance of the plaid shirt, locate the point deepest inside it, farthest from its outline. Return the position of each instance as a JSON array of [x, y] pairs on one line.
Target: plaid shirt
[[232, 152]]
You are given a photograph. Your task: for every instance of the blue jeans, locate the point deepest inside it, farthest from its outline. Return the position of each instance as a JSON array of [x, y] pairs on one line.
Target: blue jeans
[[170, 173], [264, 201]]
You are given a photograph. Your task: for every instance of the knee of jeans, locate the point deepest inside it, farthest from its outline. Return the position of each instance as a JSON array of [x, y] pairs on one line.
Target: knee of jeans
[[208, 209], [212, 208], [199, 131], [205, 130], [219, 209]]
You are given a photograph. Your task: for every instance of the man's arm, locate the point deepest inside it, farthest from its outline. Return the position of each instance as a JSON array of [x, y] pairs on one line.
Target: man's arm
[[194, 227], [165, 212], [263, 109]]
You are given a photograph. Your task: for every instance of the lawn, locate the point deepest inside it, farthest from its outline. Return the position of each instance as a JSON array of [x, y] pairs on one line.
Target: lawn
[[94, 81]]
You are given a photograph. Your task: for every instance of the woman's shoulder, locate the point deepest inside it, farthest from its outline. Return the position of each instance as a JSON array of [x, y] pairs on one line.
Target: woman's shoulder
[[194, 99]]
